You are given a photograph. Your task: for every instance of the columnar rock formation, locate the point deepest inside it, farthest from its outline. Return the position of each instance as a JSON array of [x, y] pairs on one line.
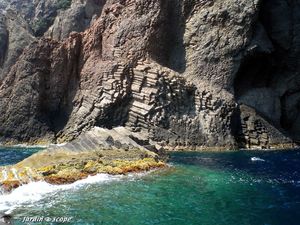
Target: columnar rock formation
[[186, 74]]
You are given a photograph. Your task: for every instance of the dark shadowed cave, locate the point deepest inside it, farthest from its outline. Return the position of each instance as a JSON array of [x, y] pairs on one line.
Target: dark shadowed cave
[[267, 80], [255, 72]]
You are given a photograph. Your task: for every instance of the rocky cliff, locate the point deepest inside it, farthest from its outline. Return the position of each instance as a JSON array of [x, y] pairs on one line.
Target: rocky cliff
[[22, 22], [186, 74]]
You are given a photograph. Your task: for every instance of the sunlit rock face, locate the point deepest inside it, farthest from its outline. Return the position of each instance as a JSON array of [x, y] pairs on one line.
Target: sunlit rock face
[[113, 151], [187, 74], [79, 16], [15, 35], [22, 22]]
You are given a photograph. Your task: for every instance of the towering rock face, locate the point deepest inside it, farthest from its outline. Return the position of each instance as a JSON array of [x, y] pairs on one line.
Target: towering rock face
[[268, 78], [216, 36], [76, 18], [22, 22], [3, 40], [187, 74], [41, 14], [14, 36]]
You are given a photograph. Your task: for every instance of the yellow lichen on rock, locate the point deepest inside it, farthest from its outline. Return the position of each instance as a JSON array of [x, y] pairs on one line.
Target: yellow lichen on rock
[[63, 166], [68, 173]]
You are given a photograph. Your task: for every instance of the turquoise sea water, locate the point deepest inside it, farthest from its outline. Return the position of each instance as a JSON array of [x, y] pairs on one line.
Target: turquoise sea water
[[230, 188]]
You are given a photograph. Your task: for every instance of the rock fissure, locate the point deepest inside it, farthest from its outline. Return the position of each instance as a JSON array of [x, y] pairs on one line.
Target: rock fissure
[[166, 68], [115, 83]]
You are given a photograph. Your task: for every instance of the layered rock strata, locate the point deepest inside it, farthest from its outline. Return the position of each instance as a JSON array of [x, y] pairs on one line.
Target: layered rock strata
[[121, 72], [151, 75]]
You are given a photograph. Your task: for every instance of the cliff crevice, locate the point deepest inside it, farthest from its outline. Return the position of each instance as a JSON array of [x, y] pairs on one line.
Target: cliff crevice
[[187, 74]]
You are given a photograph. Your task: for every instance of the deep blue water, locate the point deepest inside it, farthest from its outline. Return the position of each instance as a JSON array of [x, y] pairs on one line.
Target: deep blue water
[[226, 188], [15, 154]]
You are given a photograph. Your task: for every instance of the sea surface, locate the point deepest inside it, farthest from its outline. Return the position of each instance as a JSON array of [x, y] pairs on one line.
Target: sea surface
[[230, 188], [15, 154]]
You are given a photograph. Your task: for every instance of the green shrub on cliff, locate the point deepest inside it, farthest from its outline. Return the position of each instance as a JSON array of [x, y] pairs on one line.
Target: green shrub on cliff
[[63, 4], [40, 26]]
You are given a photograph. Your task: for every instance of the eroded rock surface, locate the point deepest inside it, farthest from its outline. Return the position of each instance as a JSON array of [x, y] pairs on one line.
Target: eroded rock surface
[[187, 74], [76, 18], [148, 76], [113, 151], [15, 35], [22, 22]]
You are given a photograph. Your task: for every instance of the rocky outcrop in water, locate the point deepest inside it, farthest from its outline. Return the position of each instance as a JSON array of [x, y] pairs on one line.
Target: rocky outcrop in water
[[5, 219], [187, 74], [113, 151]]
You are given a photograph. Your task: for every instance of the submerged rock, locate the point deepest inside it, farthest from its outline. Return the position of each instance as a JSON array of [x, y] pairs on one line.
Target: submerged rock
[[5, 219]]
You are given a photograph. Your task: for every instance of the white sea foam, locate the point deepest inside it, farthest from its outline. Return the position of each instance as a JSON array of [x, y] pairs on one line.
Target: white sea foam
[[257, 159], [33, 192], [29, 146], [4, 174]]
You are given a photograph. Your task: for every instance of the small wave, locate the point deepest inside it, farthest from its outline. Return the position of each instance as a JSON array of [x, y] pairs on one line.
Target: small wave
[[35, 191], [254, 159]]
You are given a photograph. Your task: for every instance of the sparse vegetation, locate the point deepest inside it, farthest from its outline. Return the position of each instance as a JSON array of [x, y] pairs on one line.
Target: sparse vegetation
[[40, 26], [63, 4]]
